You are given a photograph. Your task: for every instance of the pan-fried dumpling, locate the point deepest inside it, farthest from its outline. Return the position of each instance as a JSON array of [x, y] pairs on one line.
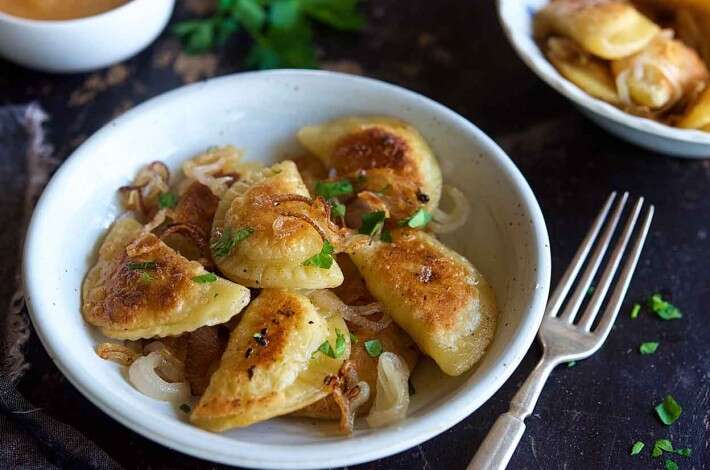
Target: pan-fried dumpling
[[610, 29], [697, 116], [352, 146], [663, 74], [432, 293], [259, 241], [274, 362], [140, 288], [591, 74]]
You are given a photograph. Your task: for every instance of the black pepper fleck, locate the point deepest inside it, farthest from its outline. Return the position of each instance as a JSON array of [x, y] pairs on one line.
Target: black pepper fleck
[[250, 371]]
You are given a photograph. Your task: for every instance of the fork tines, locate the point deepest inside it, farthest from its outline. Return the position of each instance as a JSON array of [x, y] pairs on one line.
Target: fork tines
[[598, 245]]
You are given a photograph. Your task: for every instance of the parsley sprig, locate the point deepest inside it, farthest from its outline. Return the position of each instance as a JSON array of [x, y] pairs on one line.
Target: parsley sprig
[[328, 350], [229, 239], [281, 30], [324, 259]]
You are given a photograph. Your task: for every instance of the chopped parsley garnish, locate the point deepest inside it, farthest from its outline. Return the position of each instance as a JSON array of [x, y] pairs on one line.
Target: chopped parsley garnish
[[337, 208], [185, 408], [660, 446], [281, 30], [590, 291], [167, 200], [373, 223], [419, 219], [571, 364], [327, 349], [668, 410], [665, 310], [330, 190], [353, 338], [373, 347], [229, 239], [143, 266], [683, 452], [205, 278], [635, 311], [386, 236], [146, 277], [671, 465], [648, 347], [637, 448], [324, 259]]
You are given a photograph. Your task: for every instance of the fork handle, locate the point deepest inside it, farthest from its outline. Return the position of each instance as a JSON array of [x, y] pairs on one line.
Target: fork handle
[[503, 438]]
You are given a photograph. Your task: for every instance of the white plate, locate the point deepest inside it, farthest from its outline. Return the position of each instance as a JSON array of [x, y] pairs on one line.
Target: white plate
[[505, 237], [517, 17]]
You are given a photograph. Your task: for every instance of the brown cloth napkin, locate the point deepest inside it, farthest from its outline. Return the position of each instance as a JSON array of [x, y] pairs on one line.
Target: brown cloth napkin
[[29, 438]]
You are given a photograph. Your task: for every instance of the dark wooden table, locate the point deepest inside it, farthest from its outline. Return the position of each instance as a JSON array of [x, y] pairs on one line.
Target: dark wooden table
[[454, 52]]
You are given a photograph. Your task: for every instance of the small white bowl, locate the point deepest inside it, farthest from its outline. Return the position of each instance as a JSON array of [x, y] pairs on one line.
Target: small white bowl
[[505, 237], [517, 18], [83, 44]]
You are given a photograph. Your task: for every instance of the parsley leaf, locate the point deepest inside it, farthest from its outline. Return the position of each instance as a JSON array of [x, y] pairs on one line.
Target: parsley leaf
[[337, 208], [229, 239], [167, 200], [386, 236], [665, 310], [683, 452], [324, 259], [205, 278], [635, 311], [419, 219], [142, 266], [660, 446], [668, 410], [353, 338], [333, 189], [637, 448], [373, 347], [372, 223], [648, 348], [671, 465], [327, 349]]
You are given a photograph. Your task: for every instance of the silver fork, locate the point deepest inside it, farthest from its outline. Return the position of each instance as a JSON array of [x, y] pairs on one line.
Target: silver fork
[[562, 338]]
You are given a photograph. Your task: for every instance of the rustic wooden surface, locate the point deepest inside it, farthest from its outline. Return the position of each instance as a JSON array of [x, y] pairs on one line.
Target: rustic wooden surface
[[455, 53]]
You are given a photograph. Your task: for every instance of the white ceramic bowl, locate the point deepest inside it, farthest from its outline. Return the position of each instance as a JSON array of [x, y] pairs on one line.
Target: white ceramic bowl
[[86, 43], [260, 112], [517, 17]]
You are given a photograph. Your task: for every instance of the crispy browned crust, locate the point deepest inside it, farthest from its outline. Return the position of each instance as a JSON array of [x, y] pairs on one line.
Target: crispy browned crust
[[130, 294], [196, 206], [276, 313], [435, 286], [374, 147]]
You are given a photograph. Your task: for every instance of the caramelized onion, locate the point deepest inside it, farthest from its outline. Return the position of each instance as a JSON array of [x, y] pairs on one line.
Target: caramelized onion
[[150, 182], [170, 368], [143, 375], [354, 314], [446, 223], [213, 169], [349, 393], [392, 396], [117, 353]]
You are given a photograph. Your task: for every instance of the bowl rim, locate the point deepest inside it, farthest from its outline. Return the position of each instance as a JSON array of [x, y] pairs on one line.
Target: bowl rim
[[328, 453], [82, 21], [553, 78]]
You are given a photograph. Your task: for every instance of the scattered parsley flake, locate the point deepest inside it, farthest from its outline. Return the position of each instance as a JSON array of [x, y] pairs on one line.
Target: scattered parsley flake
[[324, 259], [419, 219], [665, 310], [571, 364], [590, 291], [142, 266], [229, 239], [205, 278], [684, 452], [373, 347], [637, 448], [386, 236], [336, 208], [635, 311], [660, 446], [668, 410], [373, 223], [353, 338], [671, 465], [339, 343], [648, 347], [330, 190], [167, 200], [185, 408]]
